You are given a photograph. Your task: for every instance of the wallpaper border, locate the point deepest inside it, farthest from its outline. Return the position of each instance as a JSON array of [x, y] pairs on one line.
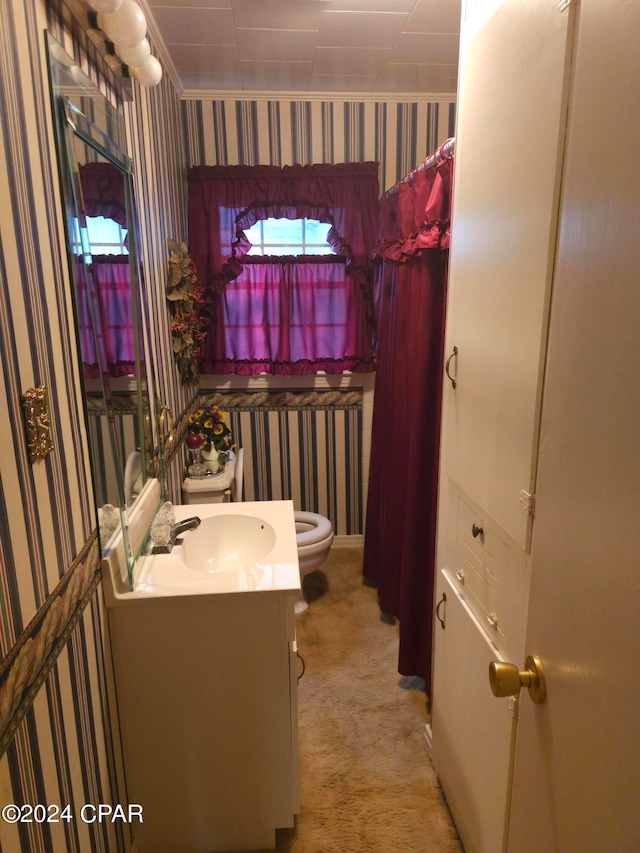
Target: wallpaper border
[[30, 660], [278, 399]]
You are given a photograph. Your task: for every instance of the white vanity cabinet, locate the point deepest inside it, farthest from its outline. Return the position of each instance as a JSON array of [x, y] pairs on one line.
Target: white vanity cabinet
[[207, 704], [206, 668]]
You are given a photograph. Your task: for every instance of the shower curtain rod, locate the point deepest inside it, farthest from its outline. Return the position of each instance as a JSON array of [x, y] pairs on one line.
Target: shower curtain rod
[[444, 152]]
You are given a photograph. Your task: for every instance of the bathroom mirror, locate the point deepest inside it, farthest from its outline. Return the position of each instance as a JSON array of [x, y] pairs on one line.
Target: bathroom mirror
[[109, 300]]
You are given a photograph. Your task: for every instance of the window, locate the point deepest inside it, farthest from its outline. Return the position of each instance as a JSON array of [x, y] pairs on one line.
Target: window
[[293, 305], [105, 236], [289, 237]]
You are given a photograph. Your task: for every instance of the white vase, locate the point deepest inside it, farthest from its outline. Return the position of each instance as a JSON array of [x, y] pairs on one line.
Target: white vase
[[210, 458]]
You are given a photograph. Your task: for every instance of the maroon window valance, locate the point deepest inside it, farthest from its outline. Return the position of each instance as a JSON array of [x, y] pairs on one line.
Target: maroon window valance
[[103, 191]]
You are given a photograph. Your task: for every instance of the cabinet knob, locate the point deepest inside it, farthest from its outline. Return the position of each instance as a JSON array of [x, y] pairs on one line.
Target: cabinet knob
[[460, 575], [476, 531], [492, 619]]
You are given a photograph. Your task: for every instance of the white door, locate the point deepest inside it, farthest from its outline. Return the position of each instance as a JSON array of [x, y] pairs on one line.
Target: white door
[[509, 135], [577, 767]]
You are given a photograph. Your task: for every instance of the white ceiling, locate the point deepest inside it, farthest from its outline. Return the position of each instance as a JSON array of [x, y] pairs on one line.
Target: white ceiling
[[339, 46]]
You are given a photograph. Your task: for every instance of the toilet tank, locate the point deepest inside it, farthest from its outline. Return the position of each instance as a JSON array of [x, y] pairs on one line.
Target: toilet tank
[[208, 490]]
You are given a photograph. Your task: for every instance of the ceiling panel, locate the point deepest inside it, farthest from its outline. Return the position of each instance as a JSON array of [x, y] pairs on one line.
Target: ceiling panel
[[285, 76], [204, 58], [211, 80], [403, 77], [278, 14], [276, 44], [435, 16], [317, 45], [360, 29], [341, 83], [356, 61], [195, 26], [430, 49], [371, 5]]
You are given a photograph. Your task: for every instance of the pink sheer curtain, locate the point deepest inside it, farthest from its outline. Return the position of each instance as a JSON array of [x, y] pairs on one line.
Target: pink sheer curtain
[[290, 316], [111, 329], [223, 201], [112, 313], [403, 481]]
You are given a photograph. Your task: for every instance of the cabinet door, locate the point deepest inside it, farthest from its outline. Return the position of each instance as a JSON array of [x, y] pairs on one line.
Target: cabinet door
[[473, 733], [509, 140]]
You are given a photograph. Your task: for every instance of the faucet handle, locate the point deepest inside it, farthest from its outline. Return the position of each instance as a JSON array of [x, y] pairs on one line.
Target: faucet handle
[[160, 533], [167, 512]]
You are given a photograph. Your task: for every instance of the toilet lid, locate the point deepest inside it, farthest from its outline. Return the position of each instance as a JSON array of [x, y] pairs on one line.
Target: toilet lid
[[322, 527]]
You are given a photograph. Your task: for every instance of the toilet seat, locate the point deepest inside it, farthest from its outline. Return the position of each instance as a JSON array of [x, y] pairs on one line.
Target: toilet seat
[[315, 528]]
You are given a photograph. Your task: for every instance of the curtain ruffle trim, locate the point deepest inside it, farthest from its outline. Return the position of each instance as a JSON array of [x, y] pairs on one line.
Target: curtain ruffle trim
[[282, 368], [431, 235], [357, 268]]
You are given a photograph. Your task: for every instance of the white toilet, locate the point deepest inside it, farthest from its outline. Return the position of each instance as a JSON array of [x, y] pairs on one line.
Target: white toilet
[[314, 532], [314, 535]]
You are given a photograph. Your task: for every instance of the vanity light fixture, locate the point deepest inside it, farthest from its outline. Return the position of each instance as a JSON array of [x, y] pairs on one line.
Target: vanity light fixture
[[122, 25], [126, 27]]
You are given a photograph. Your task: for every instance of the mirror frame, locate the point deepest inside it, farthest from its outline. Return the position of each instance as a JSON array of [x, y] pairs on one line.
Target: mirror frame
[[68, 86]]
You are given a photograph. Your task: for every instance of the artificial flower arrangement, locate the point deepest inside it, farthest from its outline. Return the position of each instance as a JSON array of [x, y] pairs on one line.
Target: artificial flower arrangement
[[206, 428], [184, 292]]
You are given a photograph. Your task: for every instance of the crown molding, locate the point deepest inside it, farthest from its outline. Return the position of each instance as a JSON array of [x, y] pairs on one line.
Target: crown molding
[[340, 97]]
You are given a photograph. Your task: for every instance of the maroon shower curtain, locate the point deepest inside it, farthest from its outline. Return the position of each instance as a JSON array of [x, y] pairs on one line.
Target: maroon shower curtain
[[403, 481]]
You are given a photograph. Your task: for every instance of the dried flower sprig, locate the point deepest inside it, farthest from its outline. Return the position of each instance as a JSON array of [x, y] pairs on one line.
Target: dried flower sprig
[[184, 292]]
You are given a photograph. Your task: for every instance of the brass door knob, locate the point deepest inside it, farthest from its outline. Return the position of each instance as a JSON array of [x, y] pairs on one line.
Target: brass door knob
[[507, 680]]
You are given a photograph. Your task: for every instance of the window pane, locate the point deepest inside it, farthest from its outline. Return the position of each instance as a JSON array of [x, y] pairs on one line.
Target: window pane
[[106, 236], [286, 237], [283, 231], [316, 232]]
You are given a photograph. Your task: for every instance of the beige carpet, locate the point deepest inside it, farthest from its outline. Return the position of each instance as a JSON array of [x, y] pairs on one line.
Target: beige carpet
[[367, 782]]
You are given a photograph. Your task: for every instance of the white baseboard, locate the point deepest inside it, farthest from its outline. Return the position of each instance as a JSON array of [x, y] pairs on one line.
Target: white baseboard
[[355, 541]]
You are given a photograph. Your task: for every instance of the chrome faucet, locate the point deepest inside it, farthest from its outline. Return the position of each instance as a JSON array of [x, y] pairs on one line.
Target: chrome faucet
[[166, 539], [183, 526]]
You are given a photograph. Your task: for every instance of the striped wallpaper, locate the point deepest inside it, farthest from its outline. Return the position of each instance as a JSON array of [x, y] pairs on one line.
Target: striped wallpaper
[[55, 672], [304, 446], [313, 455], [398, 135]]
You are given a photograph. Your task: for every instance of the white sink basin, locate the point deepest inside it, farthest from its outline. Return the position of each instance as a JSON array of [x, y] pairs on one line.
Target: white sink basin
[[226, 542]]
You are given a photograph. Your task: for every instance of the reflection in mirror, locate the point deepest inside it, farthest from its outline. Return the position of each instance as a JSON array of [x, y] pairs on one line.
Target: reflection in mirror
[[103, 254]]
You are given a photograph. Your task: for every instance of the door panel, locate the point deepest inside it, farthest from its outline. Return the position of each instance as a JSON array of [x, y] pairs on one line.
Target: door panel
[[472, 732], [509, 137], [577, 774]]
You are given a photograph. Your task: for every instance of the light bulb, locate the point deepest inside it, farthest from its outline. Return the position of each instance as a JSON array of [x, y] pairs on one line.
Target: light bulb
[[137, 55], [149, 74], [126, 27], [105, 5]]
